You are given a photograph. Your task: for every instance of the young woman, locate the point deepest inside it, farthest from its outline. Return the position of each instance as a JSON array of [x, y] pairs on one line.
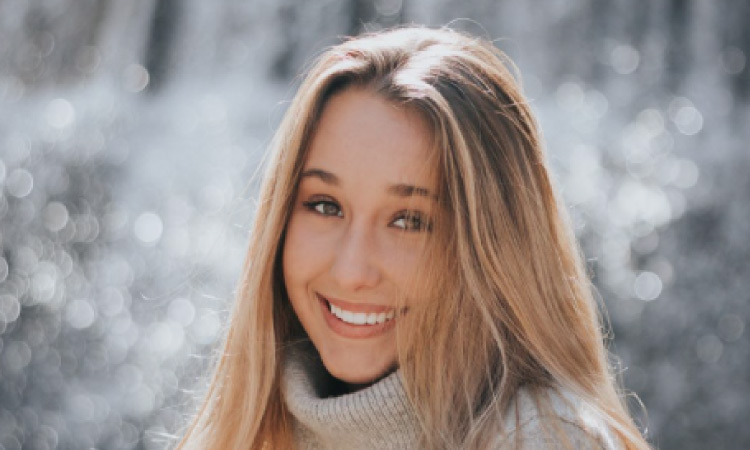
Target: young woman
[[412, 280]]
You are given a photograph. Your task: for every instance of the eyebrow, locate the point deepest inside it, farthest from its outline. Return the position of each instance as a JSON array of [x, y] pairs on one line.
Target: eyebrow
[[408, 190], [325, 176], [400, 190]]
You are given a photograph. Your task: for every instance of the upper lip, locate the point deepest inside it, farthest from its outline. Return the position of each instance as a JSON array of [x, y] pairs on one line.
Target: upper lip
[[357, 307]]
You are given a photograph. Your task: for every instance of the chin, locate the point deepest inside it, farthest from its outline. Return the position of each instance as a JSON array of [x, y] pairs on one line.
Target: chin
[[361, 375]]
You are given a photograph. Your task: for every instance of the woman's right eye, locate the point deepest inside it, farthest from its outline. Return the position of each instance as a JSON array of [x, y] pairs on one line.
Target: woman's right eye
[[324, 207]]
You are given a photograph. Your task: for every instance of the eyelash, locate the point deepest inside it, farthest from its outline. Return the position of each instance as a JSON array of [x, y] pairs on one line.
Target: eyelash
[[313, 206], [414, 220]]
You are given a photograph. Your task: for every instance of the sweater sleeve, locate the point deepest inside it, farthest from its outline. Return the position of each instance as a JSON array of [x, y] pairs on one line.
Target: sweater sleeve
[[566, 423], [555, 434]]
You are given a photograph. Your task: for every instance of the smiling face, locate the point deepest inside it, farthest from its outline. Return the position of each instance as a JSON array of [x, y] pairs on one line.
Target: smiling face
[[358, 230]]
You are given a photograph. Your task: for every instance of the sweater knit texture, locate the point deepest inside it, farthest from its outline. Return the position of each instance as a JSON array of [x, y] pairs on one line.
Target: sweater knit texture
[[381, 417]]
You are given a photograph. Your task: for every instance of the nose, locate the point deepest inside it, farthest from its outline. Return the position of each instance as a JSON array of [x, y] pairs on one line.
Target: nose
[[355, 264]]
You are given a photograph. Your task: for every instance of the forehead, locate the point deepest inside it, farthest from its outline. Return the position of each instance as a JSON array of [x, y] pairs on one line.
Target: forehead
[[362, 134]]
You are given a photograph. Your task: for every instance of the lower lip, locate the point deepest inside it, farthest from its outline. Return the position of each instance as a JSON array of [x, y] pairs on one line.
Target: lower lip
[[352, 331]]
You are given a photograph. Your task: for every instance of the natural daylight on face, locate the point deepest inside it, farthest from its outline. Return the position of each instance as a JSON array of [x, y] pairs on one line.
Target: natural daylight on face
[[356, 237]]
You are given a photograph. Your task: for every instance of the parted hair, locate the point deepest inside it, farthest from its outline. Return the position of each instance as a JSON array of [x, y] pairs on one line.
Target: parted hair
[[513, 305]]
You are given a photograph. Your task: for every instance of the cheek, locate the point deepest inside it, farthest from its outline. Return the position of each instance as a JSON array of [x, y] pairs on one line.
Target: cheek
[[303, 254], [406, 263]]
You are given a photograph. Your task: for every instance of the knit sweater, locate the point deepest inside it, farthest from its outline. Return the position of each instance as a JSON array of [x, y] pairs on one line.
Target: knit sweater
[[380, 416]]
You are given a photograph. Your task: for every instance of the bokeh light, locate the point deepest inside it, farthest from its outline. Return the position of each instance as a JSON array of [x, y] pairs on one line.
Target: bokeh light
[[130, 143]]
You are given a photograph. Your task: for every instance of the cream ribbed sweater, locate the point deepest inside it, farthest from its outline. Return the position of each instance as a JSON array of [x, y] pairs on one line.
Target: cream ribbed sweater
[[380, 417]]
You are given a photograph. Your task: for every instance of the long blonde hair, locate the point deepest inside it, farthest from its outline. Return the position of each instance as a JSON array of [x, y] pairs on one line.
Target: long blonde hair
[[519, 311]]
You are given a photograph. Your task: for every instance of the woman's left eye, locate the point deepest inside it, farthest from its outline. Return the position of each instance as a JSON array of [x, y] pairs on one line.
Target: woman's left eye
[[412, 221]]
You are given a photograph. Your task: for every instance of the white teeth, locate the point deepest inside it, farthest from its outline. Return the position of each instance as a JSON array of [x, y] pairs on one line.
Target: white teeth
[[361, 318]]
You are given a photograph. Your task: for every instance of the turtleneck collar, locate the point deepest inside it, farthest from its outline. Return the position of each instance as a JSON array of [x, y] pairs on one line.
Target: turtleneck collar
[[376, 417]]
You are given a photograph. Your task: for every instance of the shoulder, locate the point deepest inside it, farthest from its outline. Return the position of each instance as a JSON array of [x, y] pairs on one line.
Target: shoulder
[[553, 419]]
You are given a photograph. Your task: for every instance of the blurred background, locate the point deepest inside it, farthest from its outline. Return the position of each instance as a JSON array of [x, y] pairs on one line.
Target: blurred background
[[130, 134]]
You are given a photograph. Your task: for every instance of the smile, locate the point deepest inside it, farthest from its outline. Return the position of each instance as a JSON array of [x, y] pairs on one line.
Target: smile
[[357, 320], [361, 318]]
